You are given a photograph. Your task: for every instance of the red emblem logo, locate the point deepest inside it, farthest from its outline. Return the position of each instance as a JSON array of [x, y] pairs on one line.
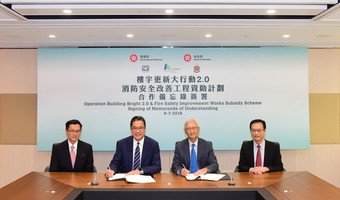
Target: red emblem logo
[[196, 68], [187, 57], [133, 58]]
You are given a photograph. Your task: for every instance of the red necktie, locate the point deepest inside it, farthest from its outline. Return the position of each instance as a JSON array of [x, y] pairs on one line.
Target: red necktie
[[258, 157]]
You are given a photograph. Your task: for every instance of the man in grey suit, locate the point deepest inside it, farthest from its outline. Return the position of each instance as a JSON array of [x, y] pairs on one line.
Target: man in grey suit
[[193, 154]]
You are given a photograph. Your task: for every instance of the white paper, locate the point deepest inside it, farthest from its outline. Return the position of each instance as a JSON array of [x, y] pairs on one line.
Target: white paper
[[191, 177], [139, 179], [212, 177], [117, 176]]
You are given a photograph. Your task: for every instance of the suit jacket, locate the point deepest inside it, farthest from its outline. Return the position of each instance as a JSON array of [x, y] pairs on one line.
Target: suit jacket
[[122, 159], [61, 160], [205, 156], [272, 156]]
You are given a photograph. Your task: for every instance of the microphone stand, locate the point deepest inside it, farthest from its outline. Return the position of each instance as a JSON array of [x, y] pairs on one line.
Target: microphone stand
[[231, 182]]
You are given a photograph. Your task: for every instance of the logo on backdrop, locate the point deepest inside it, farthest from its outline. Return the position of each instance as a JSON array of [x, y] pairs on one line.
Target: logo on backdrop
[[187, 57], [145, 68], [168, 68], [133, 58], [197, 68]]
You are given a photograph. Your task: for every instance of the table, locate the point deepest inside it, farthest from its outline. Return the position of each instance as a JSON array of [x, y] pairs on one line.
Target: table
[[277, 185]]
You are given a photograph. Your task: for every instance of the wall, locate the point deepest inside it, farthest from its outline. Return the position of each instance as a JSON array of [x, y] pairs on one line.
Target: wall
[[18, 89]]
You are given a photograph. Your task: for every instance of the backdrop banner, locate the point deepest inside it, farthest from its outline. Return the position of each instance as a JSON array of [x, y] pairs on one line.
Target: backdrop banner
[[222, 88]]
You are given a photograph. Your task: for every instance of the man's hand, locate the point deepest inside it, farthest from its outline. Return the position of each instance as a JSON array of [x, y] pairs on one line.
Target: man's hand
[[201, 171], [259, 170], [109, 173], [134, 172], [184, 172]]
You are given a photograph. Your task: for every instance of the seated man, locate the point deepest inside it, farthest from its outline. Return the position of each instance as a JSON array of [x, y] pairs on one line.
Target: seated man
[[136, 154], [72, 155], [259, 155], [193, 154]]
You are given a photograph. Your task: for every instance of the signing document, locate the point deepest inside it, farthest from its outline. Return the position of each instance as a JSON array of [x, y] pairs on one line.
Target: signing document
[[208, 177], [132, 178]]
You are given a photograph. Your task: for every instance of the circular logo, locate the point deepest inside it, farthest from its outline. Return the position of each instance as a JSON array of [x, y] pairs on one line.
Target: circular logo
[[145, 68], [187, 57], [196, 68], [133, 58]]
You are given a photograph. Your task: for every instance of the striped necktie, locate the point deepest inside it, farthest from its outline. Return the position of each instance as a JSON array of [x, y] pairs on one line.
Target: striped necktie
[[136, 160]]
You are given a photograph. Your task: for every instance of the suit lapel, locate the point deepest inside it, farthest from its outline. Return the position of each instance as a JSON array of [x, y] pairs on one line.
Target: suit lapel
[[266, 153], [251, 150], [130, 152], [78, 154], [200, 149], [66, 151], [144, 151], [187, 154]]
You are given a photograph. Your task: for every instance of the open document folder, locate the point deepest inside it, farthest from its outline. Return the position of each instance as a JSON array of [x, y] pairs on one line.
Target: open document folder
[[132, 178], [208, 177]]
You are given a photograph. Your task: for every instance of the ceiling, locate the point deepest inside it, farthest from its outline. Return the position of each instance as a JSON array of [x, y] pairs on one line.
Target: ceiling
[[106, 23]]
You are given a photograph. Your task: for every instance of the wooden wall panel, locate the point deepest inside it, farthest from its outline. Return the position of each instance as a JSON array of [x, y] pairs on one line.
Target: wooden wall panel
[[324, 70], [18, 71], [324, 112], [18, 118]]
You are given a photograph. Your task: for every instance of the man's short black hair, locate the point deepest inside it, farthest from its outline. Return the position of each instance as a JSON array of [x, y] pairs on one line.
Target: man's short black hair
[[137, 118], [258, 121], [73, 121]]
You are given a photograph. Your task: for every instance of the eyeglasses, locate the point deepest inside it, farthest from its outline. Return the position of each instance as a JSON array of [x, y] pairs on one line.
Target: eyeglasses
[[256, 130], [138, 128], [74, 131], [191, 128]]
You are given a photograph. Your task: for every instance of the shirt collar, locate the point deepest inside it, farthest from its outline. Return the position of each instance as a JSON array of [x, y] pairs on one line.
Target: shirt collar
[[75, 145], [141, 142], [262, 144], [190, 143]]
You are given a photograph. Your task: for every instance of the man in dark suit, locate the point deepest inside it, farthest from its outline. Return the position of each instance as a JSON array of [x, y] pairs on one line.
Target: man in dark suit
[[185, 161], [136, 154], [72, 155], [253, 151]]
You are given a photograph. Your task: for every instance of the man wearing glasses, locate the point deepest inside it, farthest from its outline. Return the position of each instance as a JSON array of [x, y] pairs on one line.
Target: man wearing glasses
[[193, 154], [259, 156], [72, 155], [136, 154]]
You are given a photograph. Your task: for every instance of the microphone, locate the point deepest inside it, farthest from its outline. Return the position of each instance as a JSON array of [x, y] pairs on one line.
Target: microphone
[[231, 182]]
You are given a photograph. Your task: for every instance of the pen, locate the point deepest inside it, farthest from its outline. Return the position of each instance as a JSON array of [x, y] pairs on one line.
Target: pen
[[109, 169], [183, 165]]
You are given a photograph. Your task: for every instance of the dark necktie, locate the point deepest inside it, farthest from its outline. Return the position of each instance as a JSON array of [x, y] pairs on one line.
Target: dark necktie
[[258, 157], [136, 162], [193, 160]]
